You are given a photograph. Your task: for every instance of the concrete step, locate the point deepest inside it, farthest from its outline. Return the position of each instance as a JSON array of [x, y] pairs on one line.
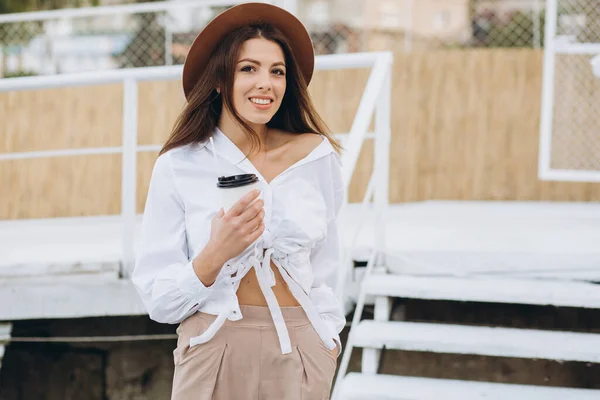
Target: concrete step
[[492, 290], [487, 341], [357, 386]]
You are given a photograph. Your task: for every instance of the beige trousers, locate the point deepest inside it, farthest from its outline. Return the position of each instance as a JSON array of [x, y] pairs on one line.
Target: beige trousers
[[244, 361]]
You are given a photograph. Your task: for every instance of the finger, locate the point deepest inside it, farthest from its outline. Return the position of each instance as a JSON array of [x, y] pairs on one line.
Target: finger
[[239, 207], [256, 233], [219, 215], [252, 211], [255, 222]]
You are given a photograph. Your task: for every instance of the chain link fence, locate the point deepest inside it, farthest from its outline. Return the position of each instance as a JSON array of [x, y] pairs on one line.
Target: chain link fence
[[508, 23], [127, 39], [96, 39], [575, 133], [576, 120]]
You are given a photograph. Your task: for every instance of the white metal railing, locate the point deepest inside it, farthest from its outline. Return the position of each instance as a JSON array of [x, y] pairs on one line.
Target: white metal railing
[[375, 100], [129, 146]]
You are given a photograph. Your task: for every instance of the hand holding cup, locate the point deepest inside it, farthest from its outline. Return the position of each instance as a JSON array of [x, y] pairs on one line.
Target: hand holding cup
[[231, 233]]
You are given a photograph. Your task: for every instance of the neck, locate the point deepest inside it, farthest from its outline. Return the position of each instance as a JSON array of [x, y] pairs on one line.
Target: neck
[[230, 127]]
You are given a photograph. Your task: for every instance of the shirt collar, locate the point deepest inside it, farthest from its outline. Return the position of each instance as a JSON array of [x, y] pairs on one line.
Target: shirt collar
[[226, 148]]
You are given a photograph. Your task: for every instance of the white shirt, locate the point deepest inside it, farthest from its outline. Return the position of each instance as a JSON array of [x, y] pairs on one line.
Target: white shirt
[[301, 206]]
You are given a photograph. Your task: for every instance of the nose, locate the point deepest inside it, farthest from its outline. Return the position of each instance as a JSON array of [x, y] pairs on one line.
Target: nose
[[263, 81]]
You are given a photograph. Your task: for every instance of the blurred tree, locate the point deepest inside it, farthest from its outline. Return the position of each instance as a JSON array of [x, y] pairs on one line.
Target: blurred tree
[[8, 6]]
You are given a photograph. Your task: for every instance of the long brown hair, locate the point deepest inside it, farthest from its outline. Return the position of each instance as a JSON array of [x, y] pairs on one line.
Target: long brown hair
[[200, 116]]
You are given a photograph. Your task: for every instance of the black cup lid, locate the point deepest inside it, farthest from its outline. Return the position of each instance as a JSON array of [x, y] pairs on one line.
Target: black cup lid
[[234, 181]]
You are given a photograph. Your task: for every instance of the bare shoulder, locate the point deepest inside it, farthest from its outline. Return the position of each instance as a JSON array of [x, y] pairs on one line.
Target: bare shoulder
[[301, 145], [295, 146], [281, 138], [302, 142]]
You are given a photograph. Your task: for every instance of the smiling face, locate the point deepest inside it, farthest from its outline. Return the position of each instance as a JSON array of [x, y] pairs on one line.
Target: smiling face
[[246, 65], [259, 81]]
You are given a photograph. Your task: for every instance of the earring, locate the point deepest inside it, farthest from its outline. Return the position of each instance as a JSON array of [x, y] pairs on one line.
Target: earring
[[218, 91]]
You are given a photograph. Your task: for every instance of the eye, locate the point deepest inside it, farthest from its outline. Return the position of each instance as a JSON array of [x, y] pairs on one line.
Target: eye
[[279, 71], [247, 68]]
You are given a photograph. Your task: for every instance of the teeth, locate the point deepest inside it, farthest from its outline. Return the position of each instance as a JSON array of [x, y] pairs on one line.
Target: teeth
[[260, 101]]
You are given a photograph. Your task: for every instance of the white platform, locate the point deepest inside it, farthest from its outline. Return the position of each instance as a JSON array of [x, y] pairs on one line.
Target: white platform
[[77, 296], [390, 387], [528, 239], [549, 240]]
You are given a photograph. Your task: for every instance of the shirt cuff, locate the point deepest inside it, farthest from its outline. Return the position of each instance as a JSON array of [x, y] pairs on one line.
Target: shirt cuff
[[190, 285]]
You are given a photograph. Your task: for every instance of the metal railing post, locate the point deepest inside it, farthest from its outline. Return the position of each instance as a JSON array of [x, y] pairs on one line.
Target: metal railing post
[[363, 116], [537, 31], [547, 90], [383, 130], [375, 98], [408, 32], [168, 38], [129, 174]]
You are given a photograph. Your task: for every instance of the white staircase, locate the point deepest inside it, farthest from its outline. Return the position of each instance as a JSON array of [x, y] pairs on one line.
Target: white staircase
[[381, 333]]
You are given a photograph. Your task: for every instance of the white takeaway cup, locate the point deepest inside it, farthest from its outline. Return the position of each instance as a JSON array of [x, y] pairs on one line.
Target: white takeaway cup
[[234, 187]]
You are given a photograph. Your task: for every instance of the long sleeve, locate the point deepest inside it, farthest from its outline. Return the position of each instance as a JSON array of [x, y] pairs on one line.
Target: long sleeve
[[325, 261], [163, 275]]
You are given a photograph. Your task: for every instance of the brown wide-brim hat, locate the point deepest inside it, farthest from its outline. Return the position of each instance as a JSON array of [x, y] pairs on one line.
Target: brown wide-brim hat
[[243, 15]]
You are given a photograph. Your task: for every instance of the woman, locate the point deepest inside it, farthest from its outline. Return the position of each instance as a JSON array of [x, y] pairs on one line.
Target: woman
[[250, 287]]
